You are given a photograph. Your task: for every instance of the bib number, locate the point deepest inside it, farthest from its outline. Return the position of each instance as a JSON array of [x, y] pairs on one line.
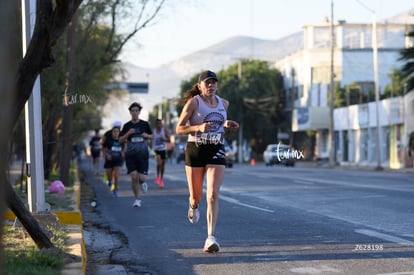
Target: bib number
[[137, 139], [210, 138]]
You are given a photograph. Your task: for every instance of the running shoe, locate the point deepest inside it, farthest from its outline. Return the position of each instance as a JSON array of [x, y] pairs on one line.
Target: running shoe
[[137, 203], [115, 194], [157, 180], [144, 187], [211, 245], [193, 214], [161, 183]]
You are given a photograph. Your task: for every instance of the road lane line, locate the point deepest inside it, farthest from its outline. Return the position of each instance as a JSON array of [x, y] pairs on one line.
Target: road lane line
[[175, 178], [225, 198], [303, 182], [234, 201], [384, 237], [398, 273]]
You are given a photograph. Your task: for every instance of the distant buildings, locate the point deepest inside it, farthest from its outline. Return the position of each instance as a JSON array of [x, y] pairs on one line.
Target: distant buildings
[[307, 83]]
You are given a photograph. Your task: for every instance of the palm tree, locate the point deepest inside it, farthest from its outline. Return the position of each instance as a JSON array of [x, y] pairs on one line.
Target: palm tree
[[407, 69]]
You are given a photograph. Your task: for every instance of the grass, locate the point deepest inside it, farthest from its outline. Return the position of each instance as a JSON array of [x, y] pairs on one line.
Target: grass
[[23, 257], [57, 202], [60, 202], [21, 253]]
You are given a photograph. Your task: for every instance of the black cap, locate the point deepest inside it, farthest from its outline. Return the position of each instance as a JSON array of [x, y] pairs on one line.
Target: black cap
[[135, 104], [207, 75]]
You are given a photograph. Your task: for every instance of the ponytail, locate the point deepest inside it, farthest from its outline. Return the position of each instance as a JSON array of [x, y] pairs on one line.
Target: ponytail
[[190, 93]]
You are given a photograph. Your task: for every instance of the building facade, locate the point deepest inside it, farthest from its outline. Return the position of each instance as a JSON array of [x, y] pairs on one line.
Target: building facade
[[307, 76]]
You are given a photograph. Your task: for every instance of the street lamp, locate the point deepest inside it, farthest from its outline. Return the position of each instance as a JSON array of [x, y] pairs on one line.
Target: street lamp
[[240, 148], [331, 92], [377, 98], [376, 83]]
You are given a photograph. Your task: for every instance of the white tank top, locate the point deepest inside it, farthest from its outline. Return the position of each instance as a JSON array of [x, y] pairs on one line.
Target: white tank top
[[158, 141], [217, 115]]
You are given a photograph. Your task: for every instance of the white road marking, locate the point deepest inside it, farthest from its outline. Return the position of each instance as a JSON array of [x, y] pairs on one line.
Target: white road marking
[[303, 182], [384, 237], [234, 201], [223, 197], [175, 178], [398, 273], [315, 270]]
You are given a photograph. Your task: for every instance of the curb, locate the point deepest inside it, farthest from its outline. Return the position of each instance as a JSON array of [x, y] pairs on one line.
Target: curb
[[76, 243]]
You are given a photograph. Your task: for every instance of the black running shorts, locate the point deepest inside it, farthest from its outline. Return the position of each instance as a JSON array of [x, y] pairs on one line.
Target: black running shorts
[[95, 153], [137, 162], [109, 164], [199, 155], [162, 154]]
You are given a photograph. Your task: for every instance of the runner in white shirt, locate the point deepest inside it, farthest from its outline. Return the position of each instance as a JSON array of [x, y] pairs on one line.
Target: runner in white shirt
[[159, 145]]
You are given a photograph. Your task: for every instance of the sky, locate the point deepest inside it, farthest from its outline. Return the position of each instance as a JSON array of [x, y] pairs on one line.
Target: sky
[[186, 26]]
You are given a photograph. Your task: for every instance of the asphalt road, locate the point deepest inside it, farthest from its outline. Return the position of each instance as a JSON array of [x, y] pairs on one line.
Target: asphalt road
[[272, 220]]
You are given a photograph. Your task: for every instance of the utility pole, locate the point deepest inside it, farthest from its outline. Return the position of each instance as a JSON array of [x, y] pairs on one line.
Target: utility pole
[[377, 98], [33, 118], [160, 108], [376, 83], [292, 104], [240, 148], [331, 93]]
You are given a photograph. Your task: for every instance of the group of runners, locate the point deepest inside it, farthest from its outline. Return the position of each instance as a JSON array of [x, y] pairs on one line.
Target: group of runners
[[203, 119]]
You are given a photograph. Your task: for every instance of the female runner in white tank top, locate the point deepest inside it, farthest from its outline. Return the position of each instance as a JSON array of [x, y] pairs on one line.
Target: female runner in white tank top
[[203, 119]]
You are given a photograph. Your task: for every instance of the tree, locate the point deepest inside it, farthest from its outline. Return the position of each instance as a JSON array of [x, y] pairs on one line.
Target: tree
[[52, 17], [340, 96], [7, 66], [256, 101], [100, 19], [51, 20], [85, 99], [407, 55], [98, 34], [396, 87]]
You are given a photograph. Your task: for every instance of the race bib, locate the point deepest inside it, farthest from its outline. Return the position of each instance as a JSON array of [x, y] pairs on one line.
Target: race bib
[[209, 138], [96, 146], [116, 148], [137, 139]]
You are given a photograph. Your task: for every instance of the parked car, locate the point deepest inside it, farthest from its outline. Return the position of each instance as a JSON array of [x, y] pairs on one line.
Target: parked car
[[279, 154]]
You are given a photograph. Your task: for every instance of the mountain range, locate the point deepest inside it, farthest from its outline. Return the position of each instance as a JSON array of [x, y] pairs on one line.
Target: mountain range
[[164, 81]]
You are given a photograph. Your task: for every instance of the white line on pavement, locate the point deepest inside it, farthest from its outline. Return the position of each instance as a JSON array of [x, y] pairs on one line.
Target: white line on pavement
[[303, 182], [384, 237], [231, 200]]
